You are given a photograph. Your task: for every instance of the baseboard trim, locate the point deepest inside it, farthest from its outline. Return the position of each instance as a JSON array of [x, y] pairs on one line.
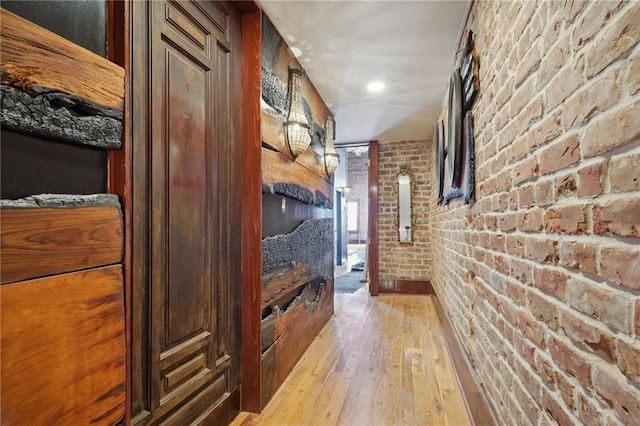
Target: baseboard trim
[[405, 286], [475, 401]]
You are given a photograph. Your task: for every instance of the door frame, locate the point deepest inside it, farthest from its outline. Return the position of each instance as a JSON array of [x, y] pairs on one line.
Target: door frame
[[372, 228]]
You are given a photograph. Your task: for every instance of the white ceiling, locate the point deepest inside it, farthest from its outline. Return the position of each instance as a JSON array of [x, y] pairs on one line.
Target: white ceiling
[[345, 44]]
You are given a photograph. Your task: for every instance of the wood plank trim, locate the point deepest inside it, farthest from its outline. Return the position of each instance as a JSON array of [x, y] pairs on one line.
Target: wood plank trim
[[277, 168], [37, 242], [475, 400], [34, 56], [373, 219], [251, 362], [285, 282], [405, 286]]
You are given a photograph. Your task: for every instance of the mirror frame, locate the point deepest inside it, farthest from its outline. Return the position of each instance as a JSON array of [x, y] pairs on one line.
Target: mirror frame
[[406, 171]]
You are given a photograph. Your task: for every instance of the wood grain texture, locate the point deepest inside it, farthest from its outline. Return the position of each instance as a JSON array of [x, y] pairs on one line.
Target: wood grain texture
[[32, 56], [118, 51], [285, 282], [373, 219], [46, 241], [478, 409], [405, 286], [361, 370], [273, 137], [295, 329], [63, 349], [278, 168], [251, 362]]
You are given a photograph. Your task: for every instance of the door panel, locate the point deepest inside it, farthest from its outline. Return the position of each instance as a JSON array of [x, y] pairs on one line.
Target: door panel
[[187, 349]]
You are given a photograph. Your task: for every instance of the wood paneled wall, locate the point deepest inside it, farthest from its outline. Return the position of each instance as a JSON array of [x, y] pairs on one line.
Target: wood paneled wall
[[62, 336], [297, 285]]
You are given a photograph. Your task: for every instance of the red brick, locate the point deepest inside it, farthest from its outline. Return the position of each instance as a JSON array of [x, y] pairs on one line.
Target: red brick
[[590, 180], [522, 271], [595, 17], [553, 60], [613, 389], [529, 220], [571, 9], [621, 264], [544, 309], [531, 328], [526, 197], [515, 291], [614, 41], [529, 406], [541, 250], [571, 360], [620, 217], [550, 281], [526, 170], [565, 220], [632, 77], [591, 100], [545, 369], [545, 195], [548, 129], [555, 409], [588, 410], [507, 222], [567, 389], [566, 185], [624, 171], [578, 255], [566, 81], [560, 154], [628, 356], [611, 130], [584, 331], [601, 302], [514, 245]]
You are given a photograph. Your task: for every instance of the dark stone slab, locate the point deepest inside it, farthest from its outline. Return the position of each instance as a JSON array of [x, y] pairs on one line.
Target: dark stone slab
[[323, 201], [294, 191], [56, 115], [308, 244], [62, 201], [274, 92]]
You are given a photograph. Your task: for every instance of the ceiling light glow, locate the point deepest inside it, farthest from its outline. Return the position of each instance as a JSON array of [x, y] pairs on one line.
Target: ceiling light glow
[[375, 86]]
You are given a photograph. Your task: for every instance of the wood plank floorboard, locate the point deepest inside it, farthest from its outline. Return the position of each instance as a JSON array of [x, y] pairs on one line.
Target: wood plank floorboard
[[379, 361]]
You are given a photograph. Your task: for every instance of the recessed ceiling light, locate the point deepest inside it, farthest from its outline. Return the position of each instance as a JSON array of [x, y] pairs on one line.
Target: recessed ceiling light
[[375, 86], [297, 52]]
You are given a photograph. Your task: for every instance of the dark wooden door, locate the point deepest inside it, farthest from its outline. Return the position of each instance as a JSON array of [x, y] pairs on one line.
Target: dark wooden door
[[187, 247]]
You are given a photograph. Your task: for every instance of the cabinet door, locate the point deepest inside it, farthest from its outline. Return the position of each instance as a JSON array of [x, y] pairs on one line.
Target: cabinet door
[[189, 347]]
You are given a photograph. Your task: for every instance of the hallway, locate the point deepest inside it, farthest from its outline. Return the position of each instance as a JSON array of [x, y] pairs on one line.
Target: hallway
[[379, 361]]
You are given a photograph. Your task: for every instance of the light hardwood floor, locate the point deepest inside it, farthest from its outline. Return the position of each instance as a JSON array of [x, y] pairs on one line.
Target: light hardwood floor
[[379, 361]]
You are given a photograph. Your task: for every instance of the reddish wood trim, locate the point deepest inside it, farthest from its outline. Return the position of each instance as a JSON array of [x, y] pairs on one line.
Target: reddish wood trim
[[251, 213], [475, 401], [120, 169], [405, 286], [373, 218]]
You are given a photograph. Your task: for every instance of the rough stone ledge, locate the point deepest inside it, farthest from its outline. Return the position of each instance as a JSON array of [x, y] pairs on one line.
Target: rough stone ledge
[[41, 111], [61, 201]]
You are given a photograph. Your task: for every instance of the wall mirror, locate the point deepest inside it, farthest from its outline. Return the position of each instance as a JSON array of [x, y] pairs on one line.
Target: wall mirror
[[404, 188]]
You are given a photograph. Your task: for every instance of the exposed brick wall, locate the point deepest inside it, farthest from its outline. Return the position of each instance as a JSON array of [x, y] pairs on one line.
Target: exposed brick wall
[[541, 277], [402, 261], [358, 180]]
